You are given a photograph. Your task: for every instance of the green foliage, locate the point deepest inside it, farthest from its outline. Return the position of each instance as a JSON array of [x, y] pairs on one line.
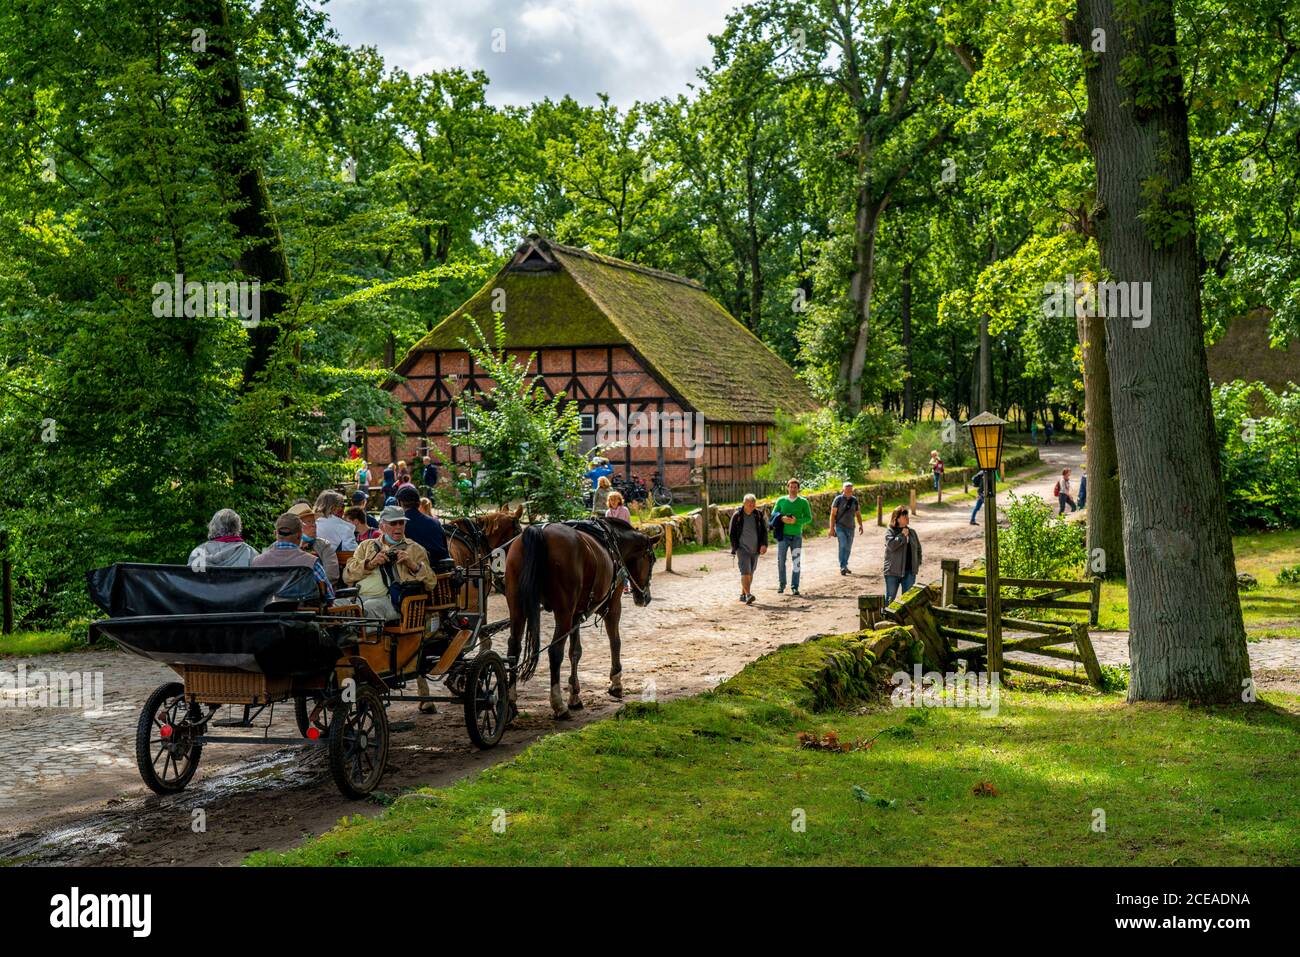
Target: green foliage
[[1259, 453], [1114, 677], [911, 447], [1289, 575], [818, 447], [1038, 543], [528, 443]]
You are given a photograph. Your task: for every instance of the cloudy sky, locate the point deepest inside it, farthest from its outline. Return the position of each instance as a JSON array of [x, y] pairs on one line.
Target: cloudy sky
[[630, 49]]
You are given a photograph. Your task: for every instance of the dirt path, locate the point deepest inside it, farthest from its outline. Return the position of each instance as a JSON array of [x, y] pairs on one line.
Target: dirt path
[[69, 790]]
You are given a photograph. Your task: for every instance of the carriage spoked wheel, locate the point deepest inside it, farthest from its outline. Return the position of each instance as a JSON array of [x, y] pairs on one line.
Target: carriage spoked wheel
[[486, 699], [303, 705], [167, 751], [358, 743]]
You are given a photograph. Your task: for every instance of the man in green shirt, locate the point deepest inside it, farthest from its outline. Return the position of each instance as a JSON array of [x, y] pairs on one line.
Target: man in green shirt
[[795, 514]]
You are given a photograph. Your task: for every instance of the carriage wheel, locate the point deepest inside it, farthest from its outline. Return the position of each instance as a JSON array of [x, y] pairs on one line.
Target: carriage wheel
[[486, 699], [302, 713], [166, 750], [663, 496], [358, 743]]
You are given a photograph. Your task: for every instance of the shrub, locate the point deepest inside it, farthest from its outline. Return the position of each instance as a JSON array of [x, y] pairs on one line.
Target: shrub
[[1259, 453], [1289, 575], [911, 447], [1038, 543], [820, 448]]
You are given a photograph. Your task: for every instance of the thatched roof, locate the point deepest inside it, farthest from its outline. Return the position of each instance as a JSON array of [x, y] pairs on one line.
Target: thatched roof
[[560, 296]]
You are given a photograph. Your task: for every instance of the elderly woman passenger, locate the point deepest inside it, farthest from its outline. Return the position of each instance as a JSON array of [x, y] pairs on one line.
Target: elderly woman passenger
[[224, 547]]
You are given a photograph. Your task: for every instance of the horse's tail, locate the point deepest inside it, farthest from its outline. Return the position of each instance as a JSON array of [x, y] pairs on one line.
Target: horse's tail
[[532, 588]]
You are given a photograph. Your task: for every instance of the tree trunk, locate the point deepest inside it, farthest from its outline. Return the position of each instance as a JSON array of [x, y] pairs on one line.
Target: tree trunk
[[985, 366], [861, 289], [1105, 521], [253, 216], [1186, 639], [909, 392]]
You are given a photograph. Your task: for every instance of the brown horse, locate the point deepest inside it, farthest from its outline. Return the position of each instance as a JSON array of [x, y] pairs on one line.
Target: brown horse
[[575, 570], [471, 541]]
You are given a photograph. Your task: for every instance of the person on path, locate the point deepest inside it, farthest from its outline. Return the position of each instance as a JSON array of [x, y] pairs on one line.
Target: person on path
[[1049, 430], [363, 478], [614, 507], [936, 469], [845, 510], [1083, 487], [977, 480], [748, 534], [902, 554], [795, 514], [1062, 492]]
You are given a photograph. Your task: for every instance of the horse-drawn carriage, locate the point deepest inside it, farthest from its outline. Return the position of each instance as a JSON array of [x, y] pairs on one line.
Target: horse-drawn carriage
[[247, 639]]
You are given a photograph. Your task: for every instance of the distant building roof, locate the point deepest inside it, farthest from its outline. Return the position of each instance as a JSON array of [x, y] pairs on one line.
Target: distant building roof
[[1244, 353], [561, 296]]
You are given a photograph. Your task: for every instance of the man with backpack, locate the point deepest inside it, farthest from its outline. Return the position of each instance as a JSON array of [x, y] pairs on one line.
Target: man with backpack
[[1062, 492]]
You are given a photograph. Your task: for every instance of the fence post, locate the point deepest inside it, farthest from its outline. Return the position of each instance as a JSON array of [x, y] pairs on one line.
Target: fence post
[[880, 510], [948, 592], [1095, 600], [668, 546], [911, 501], [704, 524]]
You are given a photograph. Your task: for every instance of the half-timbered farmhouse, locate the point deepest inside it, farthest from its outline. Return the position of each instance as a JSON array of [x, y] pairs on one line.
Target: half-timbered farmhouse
[[650, 357]]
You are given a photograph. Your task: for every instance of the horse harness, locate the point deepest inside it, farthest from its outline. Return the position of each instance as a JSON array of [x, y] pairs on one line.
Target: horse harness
[[604, 535]]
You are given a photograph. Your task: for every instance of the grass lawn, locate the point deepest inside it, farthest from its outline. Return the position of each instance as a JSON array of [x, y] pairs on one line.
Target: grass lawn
[[1270, 611], [23, 643], [718, 779]]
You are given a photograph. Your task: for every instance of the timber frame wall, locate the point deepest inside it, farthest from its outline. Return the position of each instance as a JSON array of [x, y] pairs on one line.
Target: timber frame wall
[[599, 378]]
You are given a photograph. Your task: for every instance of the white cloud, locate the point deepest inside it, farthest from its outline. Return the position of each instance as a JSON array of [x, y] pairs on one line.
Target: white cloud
[[630, 49]]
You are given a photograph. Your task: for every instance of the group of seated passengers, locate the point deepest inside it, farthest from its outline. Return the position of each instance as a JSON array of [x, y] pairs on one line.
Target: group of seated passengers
[[407, 546]]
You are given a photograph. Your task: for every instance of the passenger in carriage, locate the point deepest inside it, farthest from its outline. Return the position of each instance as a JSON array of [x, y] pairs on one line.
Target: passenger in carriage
[[357, 516], [313, 544], [331, 525], [378, 562], [224, 547], [421, 528], [287, 551]]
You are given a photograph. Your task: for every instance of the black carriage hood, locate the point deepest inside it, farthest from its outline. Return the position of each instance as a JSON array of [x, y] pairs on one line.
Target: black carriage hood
[[130, 589]]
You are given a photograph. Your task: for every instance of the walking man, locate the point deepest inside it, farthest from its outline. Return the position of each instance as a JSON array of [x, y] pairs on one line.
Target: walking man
[[748, 534], [978, 481], [795, 514], [844, 511]]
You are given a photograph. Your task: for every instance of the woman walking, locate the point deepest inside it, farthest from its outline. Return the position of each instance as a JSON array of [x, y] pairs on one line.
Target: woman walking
[[1062, 492], [748, 534], [902, 554]]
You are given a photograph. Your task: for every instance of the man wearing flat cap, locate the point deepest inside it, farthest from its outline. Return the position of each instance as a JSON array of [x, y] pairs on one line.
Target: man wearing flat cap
[[391, 557], [287, 550]]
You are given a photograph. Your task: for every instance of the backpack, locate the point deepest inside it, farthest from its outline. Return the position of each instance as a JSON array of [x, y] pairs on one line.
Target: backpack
[[978, 481], [1056, 489]]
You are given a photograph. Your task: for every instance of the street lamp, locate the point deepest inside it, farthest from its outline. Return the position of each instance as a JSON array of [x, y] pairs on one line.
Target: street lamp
[[986, 434]]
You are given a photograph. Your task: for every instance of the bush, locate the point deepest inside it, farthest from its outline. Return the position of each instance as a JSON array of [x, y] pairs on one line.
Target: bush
[[1040, 544], [1259, 453], [911, 447], [820, 448], [1289, 575]]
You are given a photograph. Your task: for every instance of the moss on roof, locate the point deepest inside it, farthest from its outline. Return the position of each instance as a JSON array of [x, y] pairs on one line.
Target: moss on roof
[[691, 343]]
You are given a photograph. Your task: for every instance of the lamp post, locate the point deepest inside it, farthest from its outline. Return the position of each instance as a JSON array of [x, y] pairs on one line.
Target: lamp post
[[986, 434]]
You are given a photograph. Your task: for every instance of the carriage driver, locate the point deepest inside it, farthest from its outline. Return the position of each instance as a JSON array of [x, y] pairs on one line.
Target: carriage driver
[[390, 557]]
